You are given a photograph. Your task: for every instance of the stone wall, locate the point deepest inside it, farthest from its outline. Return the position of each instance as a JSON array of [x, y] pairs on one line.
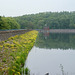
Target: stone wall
[[4, 35]]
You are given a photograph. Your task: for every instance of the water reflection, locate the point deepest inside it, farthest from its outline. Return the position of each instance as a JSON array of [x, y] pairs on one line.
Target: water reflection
[[56, 40], [52, 55]]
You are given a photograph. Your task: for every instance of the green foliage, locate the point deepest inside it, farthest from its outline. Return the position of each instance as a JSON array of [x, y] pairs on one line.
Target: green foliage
[[8, 23], [14, 52], [26, 71], [4, 60], [55, 20]]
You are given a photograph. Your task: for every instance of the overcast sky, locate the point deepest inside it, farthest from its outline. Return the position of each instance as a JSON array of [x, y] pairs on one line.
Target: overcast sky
[[22, 7]]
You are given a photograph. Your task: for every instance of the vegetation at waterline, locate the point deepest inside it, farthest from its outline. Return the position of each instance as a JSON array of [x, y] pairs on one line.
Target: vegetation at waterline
[[56, 40], [14, 51]]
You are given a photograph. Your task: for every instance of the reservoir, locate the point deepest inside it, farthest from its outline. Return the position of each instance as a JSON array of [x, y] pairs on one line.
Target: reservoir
[[52, 54]]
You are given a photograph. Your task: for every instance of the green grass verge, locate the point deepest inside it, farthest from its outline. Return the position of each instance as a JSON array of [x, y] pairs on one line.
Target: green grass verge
[[14, 52]]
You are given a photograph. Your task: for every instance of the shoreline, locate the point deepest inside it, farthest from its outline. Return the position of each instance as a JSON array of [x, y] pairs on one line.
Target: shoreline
[[4, 35], [59, 30], [14, 52]]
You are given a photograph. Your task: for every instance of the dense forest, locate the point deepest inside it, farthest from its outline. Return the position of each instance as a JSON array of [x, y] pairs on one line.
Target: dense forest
[[54, 20]]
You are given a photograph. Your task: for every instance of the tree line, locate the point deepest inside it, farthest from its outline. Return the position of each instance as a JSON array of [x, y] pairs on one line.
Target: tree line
[[54, 20]]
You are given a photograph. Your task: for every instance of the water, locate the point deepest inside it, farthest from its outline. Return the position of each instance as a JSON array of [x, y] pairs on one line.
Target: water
[[52, 53]]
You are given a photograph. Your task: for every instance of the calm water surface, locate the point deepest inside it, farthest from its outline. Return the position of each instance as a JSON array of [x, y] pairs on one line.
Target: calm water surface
[[53, 54]]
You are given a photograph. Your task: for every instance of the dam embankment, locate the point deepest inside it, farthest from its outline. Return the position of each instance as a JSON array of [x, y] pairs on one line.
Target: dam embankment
[[4, 35]]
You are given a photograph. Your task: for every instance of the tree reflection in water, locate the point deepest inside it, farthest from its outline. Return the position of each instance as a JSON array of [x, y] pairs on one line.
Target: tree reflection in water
[[56, 40]]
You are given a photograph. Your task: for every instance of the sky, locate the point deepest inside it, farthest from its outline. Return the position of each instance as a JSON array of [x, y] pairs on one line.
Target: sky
[[22, 7]]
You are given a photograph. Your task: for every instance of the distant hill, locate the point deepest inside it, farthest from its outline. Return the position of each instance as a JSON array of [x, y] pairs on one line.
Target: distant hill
[[54, 20]]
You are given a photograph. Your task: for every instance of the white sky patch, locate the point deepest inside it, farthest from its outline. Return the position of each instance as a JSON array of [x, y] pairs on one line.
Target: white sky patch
[[22, 7]]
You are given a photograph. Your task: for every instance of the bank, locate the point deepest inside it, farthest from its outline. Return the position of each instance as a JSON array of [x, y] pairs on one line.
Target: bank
[[14, 51]]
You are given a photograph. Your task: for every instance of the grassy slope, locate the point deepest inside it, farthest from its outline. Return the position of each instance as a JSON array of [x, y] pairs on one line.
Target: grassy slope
[[14, 51]]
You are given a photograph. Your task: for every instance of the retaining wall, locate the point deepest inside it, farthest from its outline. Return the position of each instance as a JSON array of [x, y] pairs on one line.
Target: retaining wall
[[4, 35]]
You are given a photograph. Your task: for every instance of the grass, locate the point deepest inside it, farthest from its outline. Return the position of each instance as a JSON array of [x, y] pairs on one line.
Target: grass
[[14, 52]]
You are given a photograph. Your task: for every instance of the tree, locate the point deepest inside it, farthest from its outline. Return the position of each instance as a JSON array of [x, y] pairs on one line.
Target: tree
[[8, 23]]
